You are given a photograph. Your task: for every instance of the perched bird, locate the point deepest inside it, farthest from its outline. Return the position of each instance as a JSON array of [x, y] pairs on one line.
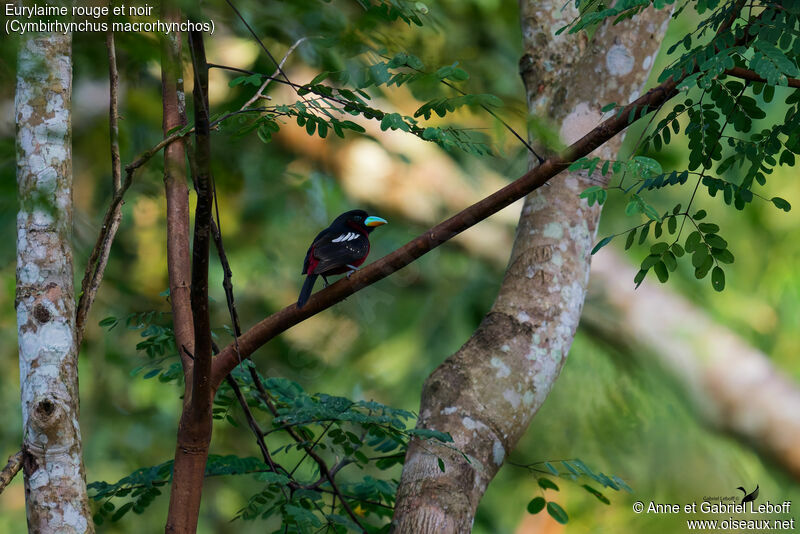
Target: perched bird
[[338, 249]]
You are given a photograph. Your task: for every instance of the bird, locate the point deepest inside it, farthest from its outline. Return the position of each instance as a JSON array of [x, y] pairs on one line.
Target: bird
[[340, 248], [750, 497]]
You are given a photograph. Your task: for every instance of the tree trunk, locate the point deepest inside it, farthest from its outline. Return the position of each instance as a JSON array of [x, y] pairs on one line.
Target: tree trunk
[[55, 486], [486, 394], [194, 431]]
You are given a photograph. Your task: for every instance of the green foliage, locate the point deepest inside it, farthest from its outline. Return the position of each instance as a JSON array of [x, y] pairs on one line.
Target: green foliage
[[322, 106], [573, 470], [364, 434], [731, 163], [593, 13], [158, 343]]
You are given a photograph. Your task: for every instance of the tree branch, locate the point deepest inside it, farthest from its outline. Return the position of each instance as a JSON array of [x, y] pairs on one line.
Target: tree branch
[[98, 259], [177, 195], [280, 321], [10, 470], [289, 316], [266, 83], [202, 392], [325, 472], [253, 424], [747, 74]]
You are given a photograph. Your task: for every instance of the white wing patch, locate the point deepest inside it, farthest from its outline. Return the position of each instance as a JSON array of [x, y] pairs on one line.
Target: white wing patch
[[349, 236]]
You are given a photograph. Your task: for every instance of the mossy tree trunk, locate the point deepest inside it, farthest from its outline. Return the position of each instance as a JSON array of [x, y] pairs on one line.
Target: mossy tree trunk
[[55, 486]]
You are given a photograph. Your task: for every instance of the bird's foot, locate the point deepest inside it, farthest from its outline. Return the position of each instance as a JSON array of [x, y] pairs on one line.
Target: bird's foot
[[325, 282], [353, 269]]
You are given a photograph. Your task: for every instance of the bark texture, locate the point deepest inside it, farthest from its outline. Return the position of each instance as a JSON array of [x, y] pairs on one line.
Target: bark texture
[[194, 431], [486, 394], [733, 385], [55, 486]]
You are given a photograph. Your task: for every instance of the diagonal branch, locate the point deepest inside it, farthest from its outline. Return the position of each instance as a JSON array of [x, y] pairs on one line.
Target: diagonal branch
[[325, 472], [259, 93], [98, 259], [280, 321], [10, 470], [747, 74], [284, 319]]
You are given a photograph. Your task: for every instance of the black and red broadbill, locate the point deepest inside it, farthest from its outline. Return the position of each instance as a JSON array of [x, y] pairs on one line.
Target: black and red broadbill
[[338, 249]]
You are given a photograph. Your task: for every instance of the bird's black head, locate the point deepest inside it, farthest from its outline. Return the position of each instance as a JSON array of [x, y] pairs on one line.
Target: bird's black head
[[359, 219]]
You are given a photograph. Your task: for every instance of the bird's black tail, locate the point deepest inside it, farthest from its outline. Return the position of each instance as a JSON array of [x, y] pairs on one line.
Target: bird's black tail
[[305, 293]]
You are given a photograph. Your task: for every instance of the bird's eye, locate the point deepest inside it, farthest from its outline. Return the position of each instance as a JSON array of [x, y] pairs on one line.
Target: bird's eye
[[358, 218]]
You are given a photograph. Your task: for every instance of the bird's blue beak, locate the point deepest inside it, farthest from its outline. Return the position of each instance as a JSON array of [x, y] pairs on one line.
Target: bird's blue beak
[[374, 221]]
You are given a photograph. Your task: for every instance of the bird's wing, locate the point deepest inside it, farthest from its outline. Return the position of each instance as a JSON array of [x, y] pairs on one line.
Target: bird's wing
[[308, 260], [335, 250]]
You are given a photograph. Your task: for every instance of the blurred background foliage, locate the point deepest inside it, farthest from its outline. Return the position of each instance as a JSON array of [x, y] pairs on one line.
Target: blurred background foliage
[[618, 412]]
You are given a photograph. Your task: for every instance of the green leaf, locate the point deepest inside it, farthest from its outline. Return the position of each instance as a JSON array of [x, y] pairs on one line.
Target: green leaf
[[600, 497], [781, 203], [311, 125], [699, 256], [152, 373], [650, 260], [661, 271], [708, 228], [121, 511], [546, 483], [570, 468], [718, 278], [670, 261], [590, 192], [536, 505], [622, 484], [659, 248], [603, 242], [631, 237], [692, 241], [557, 513], [108, 321], [441, 464], [716, 241], [319, 78], [645, 166], [699, 215], [722, 256]]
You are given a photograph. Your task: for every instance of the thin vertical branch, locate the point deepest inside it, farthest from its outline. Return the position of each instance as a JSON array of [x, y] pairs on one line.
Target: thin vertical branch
[[98, 259], [194, 430], [202, 391], [177, 194]]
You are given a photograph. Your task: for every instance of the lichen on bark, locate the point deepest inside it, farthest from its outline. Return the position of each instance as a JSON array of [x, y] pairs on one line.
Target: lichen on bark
[[55, 486], [486, 394]]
